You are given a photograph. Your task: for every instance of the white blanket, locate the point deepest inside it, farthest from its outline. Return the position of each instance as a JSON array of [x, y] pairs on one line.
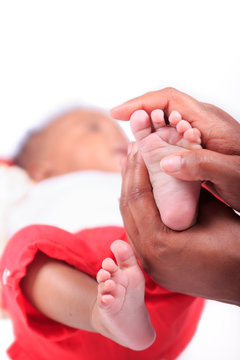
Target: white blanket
[[72, 202]]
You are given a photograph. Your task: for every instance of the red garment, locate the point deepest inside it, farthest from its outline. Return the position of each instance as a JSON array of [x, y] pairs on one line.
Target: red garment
[[6, 162], [174, 316]]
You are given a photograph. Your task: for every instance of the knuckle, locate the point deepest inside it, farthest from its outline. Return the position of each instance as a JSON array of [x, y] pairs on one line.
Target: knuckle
[[170, 90], [199, 158], [203, 167], [148, 95], [199, 162]]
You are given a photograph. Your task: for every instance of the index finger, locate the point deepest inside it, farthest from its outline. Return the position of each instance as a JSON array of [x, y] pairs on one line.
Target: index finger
[[167, 99]]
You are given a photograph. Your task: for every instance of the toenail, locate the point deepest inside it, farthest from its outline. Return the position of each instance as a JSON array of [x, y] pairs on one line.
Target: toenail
[[171, 163]]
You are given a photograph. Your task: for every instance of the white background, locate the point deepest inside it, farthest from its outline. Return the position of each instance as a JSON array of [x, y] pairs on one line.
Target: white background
[[55, 54]]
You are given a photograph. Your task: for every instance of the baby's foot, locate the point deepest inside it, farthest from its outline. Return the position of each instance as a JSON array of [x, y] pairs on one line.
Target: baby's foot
[[120, 312], [176, 199]]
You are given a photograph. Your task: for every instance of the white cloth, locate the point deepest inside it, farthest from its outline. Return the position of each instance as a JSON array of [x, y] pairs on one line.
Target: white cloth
[[14, 185], [72, 202]]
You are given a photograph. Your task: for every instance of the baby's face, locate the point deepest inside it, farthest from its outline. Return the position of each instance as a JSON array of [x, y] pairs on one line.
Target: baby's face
[[84, 140]]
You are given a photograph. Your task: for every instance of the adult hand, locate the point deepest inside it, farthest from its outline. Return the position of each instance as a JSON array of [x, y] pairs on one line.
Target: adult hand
[[203, 260], [219, 165]]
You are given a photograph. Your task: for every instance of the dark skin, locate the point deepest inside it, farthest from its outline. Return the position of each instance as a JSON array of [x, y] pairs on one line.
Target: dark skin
[[203, 260], [218, 163], [200, 261]]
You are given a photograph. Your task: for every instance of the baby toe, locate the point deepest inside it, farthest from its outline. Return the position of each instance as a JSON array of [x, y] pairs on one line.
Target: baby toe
[[108, 286], [103, 275], [106, 299], [157, 117], [193, 135], [108, 264], [183, 126], [124, 254], [140, 124], [174, 118]]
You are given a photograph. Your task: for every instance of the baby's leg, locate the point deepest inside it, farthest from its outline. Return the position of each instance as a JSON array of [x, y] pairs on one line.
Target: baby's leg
[[120, 312], [176, 199]]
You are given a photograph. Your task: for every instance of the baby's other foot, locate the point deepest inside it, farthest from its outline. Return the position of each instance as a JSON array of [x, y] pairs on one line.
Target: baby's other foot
[[176, 199], [120, 312]]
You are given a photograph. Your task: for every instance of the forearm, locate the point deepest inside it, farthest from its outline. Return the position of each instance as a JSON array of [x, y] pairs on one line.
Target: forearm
[[60, 292]]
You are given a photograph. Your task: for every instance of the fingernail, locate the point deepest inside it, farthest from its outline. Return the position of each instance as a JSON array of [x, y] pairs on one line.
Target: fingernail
[[171, 163]]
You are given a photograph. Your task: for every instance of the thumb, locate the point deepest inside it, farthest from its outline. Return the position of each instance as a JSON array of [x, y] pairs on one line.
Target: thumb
[[201, 164]]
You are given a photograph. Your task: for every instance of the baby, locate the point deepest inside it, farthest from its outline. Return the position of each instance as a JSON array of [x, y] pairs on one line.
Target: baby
[[62, 290], [88, 140], [176, 199], [81, 139]]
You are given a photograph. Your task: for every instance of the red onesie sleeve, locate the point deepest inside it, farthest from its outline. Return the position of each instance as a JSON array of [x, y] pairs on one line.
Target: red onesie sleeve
[[174, 316]]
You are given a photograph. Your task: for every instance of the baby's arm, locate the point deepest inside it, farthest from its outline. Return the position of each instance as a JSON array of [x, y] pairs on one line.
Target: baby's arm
[[60, 292]]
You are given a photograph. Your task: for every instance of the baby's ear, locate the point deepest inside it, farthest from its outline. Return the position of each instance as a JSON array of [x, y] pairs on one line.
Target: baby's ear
[[40, 171]]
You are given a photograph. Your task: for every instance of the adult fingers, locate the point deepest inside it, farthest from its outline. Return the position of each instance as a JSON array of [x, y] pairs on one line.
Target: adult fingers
[[222, 172], [219, 131], [167, 99]]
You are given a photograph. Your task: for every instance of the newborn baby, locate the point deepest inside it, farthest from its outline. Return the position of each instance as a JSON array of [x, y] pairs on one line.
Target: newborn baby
[[74, 163], [74, 166], [81, 139]]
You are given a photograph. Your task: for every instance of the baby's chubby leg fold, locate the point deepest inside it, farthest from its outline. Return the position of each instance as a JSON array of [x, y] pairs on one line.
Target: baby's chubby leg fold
[[120, 312]]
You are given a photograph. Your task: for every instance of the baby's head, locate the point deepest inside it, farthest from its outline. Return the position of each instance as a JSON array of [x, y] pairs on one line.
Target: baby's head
[[81, 139]]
